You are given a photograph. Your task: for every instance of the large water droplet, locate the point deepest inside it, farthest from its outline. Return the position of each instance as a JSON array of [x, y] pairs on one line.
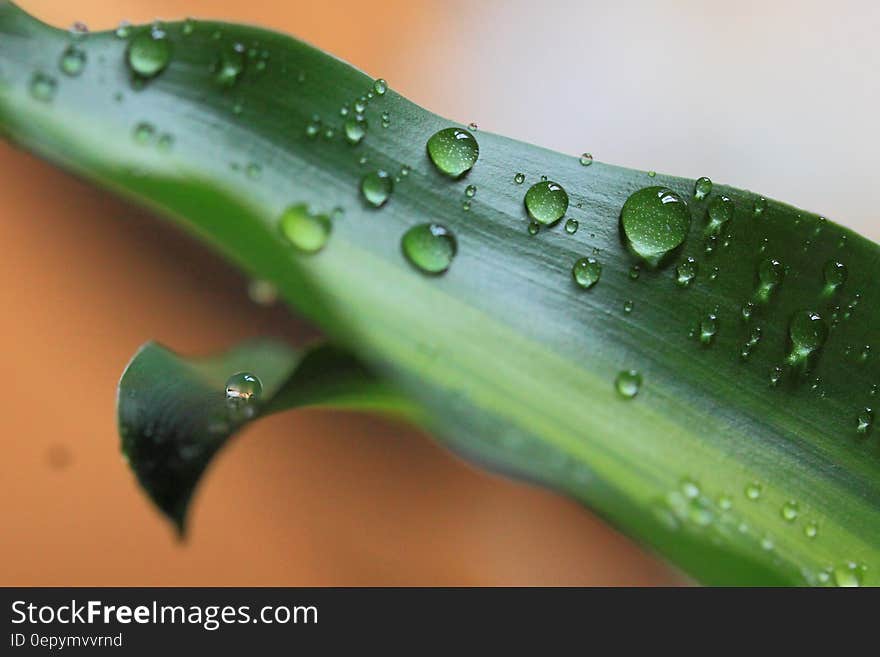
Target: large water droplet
[[571, 226], [628, 383], [655, 221], [305, 230], [73, 61], [453, 151], [149, 53], [807, 332], [380, 87], [546, 202], [429, 247], [586, 272], [702, 188], [376, 187], [586, 159]]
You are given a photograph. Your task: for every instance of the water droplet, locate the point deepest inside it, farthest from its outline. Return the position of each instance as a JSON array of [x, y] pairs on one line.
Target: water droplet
[[229, 65], [686, 272], [708, 328], [43, 87], [376, 187], [380, 87], [386, 119], [811, 529], [767, 543], [652, 174], [263, 293], [546, 202], [189, 26], [124, 30], [754, 490], [835, 274], [472, 126], [770, 274], [847, 575], [470, 191], [775, 375], [725, 503], [355, 129], [534, 227], [760, 206], [690, 488], [571, 226], [702, 188], [628, 383], [720, 211], [254, 171], [360, 105], [807, 331], [453, 151], [165, 143], [243, 390], [634, 272], [429, 247], [628, 306], [655, 221], [790, 511], [586, 159], [73, 61], [865, 421], [305, 230], [586, 272], [144, 133], [149, 53], [519, 179]]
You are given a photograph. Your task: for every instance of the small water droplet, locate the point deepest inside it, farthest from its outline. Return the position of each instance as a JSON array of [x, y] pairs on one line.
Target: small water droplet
[[847, 575], [571, 226], [534, 227], [470, 191], [775, 375], [807, 332], [811, 529], [453, 151], [263, 293], [790, 511], [686, 272], [429, 247], [628, 383], [124, 30], [149, 53], [702, 188], [586, 159], [305, 230], [189, 26], [386, 119], [634, 272], [144, 133], [380, 87], [229, 65], [652, 174], [835, 274], [865, 421], [720, 211], [655, 221], [519, 179], [546, 202], [760, 206], [43, 87], [708, 328], [355, 129], [771, 272], [628, 306], [473, 126], [376, 187], [586, 272], [72, 61], [754, 490], [243, 391]]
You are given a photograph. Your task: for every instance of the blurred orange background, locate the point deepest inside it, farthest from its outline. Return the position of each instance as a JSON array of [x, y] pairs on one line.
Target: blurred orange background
[[748, 93]]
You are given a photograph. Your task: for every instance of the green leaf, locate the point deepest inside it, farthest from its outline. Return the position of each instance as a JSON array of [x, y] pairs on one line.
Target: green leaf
[[733, 478], [174, 414]]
